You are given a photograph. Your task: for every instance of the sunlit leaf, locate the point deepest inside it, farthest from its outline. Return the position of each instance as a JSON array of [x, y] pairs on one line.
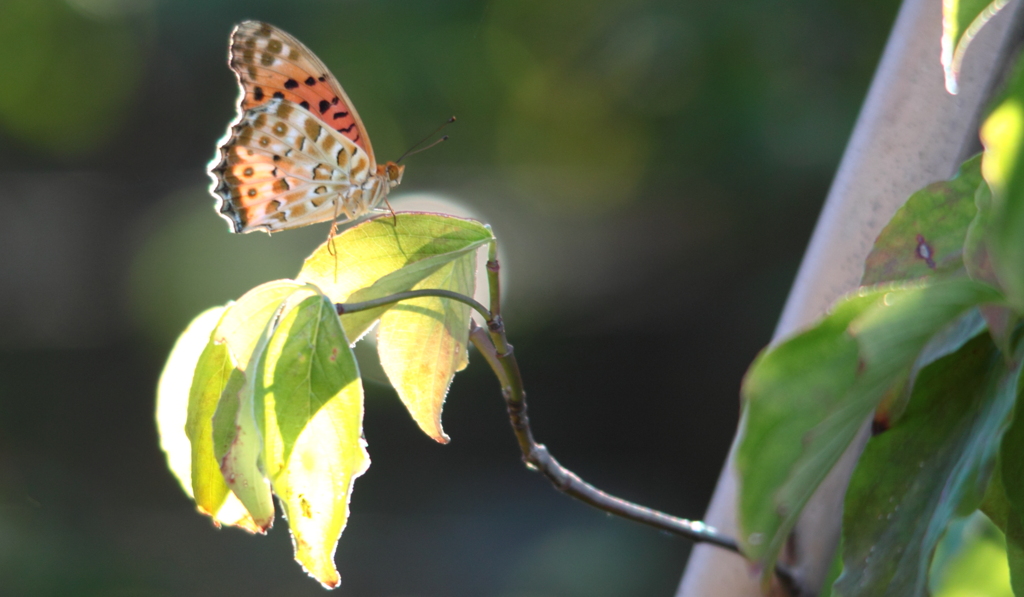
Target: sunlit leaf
[[174, 396], [961, 22], [229, 422], [409, 277], [311, 400], [1003, 168], [997, 507], [913, 479], [926, 236], [976, 565], [212, 495], [370, 251], [806, 398], [237, 444], [422, 343]]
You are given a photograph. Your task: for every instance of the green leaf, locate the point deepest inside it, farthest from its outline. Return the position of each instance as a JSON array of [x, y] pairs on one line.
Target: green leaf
[[977, 258], [172, 394], [997, 507], [912, 480], [422, 343], [1003, 168], [237, 444], [178, 382], [945, 342], [366, 253], [805, 399], [926, 236], [788, 390], [971, 561], [961, 22], [311, 401], [1010, 490], [410, 277], [222, 422]]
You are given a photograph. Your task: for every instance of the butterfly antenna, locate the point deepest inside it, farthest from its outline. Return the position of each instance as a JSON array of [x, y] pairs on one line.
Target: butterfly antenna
[[424, 140]]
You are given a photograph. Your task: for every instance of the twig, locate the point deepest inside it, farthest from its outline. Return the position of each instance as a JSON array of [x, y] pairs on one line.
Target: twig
[[493, 345], [344, 308]]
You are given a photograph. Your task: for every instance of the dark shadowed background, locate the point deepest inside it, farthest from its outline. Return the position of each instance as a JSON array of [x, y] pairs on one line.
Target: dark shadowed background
[[652, 170]]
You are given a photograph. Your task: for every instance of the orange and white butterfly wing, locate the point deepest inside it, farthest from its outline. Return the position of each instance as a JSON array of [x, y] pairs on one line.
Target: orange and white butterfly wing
[[270, 63], [281, 168]]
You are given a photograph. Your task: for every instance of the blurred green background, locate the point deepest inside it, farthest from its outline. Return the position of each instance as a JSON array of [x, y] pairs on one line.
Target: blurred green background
[[651, 168]]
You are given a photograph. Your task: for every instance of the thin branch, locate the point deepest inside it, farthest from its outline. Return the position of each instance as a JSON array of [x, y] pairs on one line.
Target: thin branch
[[538, 458], [493, 345], [344, 308]]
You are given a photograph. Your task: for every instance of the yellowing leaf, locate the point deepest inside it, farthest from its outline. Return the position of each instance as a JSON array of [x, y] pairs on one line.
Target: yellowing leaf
[[368, 252], [311, 398], [1002, 165], [172, 394], [227, 444], [173, 409], [422, 343]]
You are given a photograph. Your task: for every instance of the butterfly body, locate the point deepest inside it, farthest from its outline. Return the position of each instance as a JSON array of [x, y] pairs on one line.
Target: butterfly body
[[298, 153]]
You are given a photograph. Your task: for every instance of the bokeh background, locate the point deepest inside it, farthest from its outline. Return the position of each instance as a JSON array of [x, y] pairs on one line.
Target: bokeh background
[[652, 169]]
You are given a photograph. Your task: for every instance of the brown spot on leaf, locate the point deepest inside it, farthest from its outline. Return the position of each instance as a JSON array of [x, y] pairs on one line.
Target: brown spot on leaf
[[925, 251]]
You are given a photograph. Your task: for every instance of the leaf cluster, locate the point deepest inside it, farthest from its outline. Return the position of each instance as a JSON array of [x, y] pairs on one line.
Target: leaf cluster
[[263, 397], [928, 352]]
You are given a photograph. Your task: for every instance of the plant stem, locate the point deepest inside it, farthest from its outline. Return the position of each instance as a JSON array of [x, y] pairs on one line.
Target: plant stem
[[496, 350], [344, 308], [538, 458], [498, 353]]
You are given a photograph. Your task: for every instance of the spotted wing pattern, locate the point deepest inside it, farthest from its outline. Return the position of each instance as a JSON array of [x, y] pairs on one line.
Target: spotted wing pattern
[[281, 168], [270, 63]]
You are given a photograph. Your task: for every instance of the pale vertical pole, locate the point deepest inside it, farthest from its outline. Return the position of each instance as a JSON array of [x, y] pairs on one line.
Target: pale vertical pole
[[909, 133]]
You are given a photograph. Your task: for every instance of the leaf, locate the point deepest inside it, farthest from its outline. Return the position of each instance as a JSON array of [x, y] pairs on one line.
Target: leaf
[[997, 507], [422, 343], [971, 560], [1009, 488], [172, 394], [1003, 168], [311, 400], [237, 444], [805, 399], [367, 252], [212, 495], [222, 423], [977, 258], [407, 278], [961, 22], [945, 342], [911, 481], [788, 390], [926, 236]]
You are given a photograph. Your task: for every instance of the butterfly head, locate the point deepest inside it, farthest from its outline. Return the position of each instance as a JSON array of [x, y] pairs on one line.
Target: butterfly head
[[392, 173]]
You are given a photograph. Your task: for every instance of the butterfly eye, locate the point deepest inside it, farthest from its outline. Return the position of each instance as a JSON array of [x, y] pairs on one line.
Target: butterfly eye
[[395, 172]]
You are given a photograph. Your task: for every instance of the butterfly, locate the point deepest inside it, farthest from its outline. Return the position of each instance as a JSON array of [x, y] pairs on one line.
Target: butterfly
[[298, 152]]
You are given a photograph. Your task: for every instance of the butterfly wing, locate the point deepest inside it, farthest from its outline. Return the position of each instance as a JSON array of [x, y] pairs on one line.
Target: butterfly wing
[[270, 63], [282, 168]]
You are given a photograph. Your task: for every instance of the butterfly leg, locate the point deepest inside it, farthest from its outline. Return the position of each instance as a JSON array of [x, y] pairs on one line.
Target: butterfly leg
[[394, 216]]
